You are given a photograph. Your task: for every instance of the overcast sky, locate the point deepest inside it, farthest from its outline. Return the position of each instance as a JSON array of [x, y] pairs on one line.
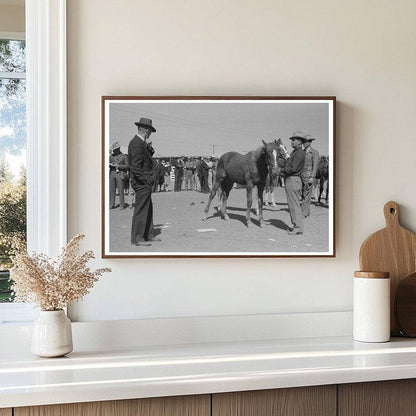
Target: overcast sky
[[205, 129]]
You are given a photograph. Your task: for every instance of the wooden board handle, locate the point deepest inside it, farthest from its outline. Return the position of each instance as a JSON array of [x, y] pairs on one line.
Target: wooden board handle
[[391, 214]]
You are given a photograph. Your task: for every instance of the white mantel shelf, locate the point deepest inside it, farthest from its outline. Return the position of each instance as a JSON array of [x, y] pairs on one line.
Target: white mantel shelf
[[151, 371]]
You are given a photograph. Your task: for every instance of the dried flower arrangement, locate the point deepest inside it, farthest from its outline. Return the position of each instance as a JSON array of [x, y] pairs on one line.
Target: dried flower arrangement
[[53, 285]]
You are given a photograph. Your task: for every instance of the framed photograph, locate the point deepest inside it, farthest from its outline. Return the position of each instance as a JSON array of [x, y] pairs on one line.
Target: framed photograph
[[218, 176]]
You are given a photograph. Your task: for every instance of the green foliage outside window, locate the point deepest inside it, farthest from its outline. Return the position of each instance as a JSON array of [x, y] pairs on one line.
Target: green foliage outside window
[[12, 223], [12, 146]]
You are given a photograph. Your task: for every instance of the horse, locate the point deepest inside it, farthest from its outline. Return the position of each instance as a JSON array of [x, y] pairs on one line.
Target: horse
[[322, 176], [250, 170], [271, 183]]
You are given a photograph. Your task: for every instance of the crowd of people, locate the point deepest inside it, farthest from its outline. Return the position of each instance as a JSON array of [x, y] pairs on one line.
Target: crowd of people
[[138, 174], [193, 173]]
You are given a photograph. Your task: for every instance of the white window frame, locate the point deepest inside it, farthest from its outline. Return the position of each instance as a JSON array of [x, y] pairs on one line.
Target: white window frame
[[14, 312], [46, 127]]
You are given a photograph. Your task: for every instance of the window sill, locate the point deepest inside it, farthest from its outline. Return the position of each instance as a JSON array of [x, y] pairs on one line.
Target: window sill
[[16, 313], [156, 371]]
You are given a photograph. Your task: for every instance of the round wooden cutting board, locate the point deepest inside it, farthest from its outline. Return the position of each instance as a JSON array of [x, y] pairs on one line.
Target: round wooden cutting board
[[393, 250], [405, 306]]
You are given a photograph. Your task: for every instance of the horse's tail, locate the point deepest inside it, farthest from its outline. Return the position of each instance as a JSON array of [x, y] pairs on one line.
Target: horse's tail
[[222, 164], [220, 172]]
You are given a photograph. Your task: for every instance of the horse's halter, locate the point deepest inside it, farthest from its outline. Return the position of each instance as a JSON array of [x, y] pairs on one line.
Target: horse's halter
[[278, 152], [273, 166], [284, 151]]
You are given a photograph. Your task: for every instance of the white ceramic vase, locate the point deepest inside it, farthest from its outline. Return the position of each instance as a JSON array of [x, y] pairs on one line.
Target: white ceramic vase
[[52, 334]]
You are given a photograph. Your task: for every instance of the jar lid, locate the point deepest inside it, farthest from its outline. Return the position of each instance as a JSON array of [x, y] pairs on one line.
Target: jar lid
[[372, 275]]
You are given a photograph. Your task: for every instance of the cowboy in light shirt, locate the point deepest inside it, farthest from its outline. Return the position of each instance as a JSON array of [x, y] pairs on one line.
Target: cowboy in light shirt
[[308, 174]]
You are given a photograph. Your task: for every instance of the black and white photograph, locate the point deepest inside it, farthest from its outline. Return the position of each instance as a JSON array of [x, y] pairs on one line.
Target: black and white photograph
[[218, 176]]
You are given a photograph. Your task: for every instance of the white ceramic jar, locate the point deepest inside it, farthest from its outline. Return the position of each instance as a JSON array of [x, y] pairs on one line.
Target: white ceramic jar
[[371, 313], [52, 334]]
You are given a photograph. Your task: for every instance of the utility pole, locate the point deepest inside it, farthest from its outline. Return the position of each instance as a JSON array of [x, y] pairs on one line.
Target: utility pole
[[213, 149]]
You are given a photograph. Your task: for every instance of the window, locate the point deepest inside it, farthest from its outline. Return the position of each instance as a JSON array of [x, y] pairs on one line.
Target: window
[[45, 27], [12, 154]]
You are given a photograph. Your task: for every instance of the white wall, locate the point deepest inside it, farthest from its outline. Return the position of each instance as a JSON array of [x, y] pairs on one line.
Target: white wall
[[360, 51]]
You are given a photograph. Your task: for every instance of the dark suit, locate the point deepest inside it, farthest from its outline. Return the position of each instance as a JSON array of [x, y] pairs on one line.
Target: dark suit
[[203, 177], [142, 172]]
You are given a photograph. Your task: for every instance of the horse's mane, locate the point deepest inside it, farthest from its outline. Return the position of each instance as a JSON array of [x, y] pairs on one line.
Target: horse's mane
[[257, 152]]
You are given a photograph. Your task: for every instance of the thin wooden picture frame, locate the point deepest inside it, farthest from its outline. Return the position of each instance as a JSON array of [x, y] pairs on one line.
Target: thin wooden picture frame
[[194, 131]]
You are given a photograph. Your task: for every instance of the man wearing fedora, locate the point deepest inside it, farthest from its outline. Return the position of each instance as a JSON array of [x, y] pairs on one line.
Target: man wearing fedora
[[308, 174], [293, 182], [142, 172], [119, 166]]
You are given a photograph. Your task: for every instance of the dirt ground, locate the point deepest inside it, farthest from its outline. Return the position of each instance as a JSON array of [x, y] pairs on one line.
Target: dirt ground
[[178, 222]]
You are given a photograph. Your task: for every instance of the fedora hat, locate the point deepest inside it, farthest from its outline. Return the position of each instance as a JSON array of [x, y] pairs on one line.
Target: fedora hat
[[146, 122], [298, 135], [309, 138], [114, 146]]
